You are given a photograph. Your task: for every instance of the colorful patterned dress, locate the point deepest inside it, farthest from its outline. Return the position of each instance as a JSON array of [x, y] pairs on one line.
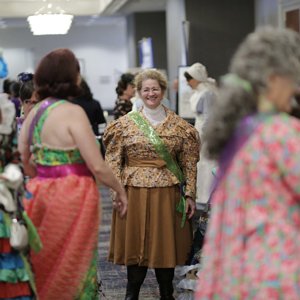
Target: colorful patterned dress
[[151, 234], [252, 247], [65, 209], [15, 272]]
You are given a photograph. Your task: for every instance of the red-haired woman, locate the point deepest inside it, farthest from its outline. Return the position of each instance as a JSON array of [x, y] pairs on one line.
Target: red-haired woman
[[65, 201]]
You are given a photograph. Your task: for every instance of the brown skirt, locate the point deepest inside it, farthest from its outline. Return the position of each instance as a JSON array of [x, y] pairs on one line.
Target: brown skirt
[[150, 235]]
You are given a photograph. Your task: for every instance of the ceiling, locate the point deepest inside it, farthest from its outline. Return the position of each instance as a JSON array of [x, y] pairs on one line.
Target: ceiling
[[87, 12]]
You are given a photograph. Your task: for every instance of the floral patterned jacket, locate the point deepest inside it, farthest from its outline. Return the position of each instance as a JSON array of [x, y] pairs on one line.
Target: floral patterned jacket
[[125, 142]]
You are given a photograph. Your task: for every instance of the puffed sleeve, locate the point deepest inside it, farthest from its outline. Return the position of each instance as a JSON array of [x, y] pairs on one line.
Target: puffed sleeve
[[188, 158], [114, 154]]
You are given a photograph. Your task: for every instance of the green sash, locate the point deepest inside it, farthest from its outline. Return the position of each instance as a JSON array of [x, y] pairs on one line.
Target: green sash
[[163, 152]]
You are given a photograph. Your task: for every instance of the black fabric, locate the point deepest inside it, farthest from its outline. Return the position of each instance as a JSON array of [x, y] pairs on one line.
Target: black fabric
[[135, 276], [164, 278], [199, 235], [93, 110], [122, 107]]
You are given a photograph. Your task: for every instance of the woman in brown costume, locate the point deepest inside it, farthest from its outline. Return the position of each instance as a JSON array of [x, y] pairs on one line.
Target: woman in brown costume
[[154, 233]]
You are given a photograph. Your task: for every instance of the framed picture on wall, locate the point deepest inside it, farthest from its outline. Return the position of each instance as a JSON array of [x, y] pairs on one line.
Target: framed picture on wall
[[184, 94], [292, 19], [146, 53]]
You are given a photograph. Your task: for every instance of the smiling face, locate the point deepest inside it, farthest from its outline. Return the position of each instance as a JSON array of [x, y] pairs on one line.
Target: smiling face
[[151, 93]]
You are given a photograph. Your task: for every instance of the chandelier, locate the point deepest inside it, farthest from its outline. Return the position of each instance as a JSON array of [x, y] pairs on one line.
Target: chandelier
[[47, 22]]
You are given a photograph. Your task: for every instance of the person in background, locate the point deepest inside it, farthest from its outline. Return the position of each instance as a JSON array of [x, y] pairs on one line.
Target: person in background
[[175, 87], [5, 86], [5, 89], [14, 89], [125, 91], [137, 102], [252, 247], [27, 93], [60, 154], [27, 96], [91, 106], [145, 150], [93, 110], [202, 101], [16, 277]]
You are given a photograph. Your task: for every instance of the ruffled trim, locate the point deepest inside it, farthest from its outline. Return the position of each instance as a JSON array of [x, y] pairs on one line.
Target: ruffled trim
[[5, 246], [15, 291], [11, 261], [19, 298], [8, 113], [4, 232], [14, 276], [12, 268], [4, 225], [188, 277]]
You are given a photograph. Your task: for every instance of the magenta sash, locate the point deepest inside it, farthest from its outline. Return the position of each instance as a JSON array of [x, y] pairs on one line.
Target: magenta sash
[[63, 170]]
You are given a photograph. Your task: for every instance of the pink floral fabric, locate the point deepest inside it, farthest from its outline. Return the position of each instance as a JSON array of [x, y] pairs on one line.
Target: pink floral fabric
[[252, 247]]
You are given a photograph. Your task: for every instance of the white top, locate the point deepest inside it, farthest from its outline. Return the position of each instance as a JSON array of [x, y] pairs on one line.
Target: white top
[[156, 115], [8, 112]]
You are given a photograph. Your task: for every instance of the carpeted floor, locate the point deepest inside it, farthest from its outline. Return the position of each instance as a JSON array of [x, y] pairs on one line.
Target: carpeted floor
[[113, 277]]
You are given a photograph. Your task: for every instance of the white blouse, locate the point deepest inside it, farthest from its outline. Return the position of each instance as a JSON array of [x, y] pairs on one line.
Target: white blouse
[[155, 115]]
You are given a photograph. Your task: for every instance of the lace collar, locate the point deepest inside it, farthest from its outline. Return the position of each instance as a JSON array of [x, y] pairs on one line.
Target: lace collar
[[156, 115]]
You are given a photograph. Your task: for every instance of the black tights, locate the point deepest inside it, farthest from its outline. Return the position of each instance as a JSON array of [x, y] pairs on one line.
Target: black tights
[[136, 275], [164, 278]]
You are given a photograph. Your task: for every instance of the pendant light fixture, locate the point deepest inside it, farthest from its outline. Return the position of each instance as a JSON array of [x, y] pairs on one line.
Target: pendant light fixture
[[50, 21]]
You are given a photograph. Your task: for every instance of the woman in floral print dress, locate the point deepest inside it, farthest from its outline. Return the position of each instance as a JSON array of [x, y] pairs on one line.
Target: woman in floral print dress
[[152, 234], [125, 91], [252, 247]]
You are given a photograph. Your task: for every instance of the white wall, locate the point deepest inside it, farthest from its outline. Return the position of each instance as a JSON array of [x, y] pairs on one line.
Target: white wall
[[102, 51], [271, 12], [266, 12]]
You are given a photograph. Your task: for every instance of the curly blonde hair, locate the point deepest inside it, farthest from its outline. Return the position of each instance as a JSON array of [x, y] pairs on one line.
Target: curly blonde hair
[[153, 74]]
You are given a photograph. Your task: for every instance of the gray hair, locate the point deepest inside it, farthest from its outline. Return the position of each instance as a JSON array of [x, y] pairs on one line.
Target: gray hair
[[268, 51]]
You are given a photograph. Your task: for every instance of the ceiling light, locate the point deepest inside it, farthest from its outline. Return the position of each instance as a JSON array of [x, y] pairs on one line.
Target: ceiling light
[[46, 21]]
